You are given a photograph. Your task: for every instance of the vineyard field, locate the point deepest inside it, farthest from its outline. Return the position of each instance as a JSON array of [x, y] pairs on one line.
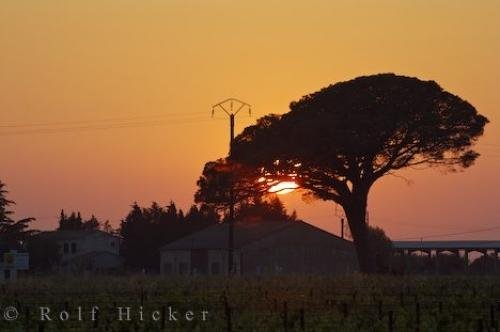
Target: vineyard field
[[284, 303]]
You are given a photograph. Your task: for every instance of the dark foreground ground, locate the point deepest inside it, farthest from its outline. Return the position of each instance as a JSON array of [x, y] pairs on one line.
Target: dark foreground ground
[[355, 303]]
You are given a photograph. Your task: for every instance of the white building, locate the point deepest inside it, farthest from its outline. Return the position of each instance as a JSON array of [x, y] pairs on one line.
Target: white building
[[13, 261], [86, 250]]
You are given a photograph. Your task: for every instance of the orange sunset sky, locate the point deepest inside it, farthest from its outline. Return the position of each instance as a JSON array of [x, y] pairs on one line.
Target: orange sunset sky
[[157, 66]]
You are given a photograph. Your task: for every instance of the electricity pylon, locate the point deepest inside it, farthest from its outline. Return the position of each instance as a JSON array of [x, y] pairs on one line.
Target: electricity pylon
[[231, 107]]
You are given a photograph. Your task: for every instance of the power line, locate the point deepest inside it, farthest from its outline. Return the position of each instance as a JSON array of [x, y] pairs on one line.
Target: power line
[[104, 124], [451, 234], [64, 123], [123, 125]]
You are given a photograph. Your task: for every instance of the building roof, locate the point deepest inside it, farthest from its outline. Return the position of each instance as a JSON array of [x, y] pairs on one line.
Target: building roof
[[453, 245], [70, 234], [216, 236]]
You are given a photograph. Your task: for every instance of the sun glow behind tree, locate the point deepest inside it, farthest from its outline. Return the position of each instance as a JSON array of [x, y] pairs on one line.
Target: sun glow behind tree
[[283, 187], [281, 182]]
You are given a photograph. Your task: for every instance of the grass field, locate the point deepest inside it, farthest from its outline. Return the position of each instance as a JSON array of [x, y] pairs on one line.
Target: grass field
[[355, 303]]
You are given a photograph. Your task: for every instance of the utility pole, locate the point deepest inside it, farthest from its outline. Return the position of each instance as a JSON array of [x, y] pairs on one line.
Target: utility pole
[[342, 228], [231, 107], [340, 214]]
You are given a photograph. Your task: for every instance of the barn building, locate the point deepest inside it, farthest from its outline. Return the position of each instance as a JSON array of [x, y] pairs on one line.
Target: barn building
[[260, 248]]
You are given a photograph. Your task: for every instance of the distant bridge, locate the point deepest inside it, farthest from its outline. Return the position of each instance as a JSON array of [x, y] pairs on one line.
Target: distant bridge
[[449, 246], [434, 248]]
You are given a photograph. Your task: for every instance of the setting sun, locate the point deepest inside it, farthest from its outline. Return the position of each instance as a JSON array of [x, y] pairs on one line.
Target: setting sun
[[284, 187]]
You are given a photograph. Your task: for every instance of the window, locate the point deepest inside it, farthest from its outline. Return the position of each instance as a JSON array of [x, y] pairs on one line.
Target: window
[[73, 247], [66, 248], [183, 268]]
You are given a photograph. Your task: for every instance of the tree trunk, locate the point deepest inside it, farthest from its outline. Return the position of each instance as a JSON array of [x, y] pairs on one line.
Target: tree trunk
[[355, 211]]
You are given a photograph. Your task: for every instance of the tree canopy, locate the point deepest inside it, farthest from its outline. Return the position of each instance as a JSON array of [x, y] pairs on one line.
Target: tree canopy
[[250, 192], [261, 210], [342, 138], [75, 222], [11, 230], [221, 177]]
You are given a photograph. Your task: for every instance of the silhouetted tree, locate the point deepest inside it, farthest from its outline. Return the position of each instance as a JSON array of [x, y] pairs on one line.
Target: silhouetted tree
[[145, 230], [11, 230], [251, 197], [264, 210], [92, 223], [71, 222], [221, 177], [75, 222], [343, 138], [135, 232], [107, 227], [201, 215]]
